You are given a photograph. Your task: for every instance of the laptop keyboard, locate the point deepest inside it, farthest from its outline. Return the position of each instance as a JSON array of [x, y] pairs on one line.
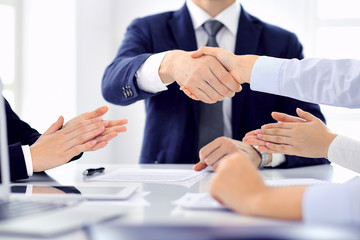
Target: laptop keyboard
[[17, 208]]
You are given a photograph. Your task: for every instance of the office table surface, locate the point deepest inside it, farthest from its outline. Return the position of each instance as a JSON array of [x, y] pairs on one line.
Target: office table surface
[[156, 207]]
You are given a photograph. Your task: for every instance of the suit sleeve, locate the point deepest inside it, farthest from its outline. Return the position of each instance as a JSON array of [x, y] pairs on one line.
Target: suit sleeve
[[19, 133], [119, 84], [289, 106]]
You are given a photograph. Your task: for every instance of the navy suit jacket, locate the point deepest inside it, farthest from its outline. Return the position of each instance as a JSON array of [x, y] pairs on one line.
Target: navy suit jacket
[[19, 133], [171, 129]]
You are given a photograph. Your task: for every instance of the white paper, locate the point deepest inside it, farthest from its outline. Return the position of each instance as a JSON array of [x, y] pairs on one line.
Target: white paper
[[148, 175], [293, 182], [205, 201], [198, 201]]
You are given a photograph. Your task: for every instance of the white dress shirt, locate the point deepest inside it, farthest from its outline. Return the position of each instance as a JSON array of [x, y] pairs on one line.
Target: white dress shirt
[[148, 78], [332, 82]]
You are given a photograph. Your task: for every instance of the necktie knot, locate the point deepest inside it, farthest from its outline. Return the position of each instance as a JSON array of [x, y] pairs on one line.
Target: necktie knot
[[212, 27]]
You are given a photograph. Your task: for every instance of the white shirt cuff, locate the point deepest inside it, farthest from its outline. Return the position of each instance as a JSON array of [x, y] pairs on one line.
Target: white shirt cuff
[[147, 75], [265, 75], [28, 159]]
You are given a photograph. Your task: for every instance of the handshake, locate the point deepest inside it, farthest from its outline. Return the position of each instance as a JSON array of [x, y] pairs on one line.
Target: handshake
[[208, 74]]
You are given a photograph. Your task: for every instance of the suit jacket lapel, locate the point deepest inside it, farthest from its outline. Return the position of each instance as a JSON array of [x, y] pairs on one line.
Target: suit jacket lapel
[[184, 36], [247, 41]]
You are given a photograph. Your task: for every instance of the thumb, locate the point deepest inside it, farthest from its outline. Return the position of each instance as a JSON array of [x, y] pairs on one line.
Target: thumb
[[55, 126], [199, 166], [198, 53], [305, 115], [282, 117]]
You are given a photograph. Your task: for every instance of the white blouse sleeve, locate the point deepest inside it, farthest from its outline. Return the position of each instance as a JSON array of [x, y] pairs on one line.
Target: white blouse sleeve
[[321, 81]]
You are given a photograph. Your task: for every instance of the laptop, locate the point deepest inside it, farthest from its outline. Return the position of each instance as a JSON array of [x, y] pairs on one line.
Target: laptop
[[42, 217]]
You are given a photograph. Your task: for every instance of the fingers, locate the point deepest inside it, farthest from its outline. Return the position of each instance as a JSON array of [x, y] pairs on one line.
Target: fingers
[[79, 148], [84, 123], [55, 126], [199, 166], [305, 115], [118, 122], [253, 140], [189, 94], [96, 113], [98, 146], [106, 137], [209, 148], [210, 86], [205, 51], [278, 148], [282, 117], [199, 52], [227, 80]]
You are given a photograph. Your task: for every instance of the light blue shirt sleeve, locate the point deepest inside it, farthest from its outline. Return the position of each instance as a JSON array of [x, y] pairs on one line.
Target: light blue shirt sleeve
[[333, 203], [322, 81]]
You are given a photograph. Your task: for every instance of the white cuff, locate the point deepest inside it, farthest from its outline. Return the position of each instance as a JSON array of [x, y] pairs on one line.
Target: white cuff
[[147, 75], [265, 74], [28, 159]]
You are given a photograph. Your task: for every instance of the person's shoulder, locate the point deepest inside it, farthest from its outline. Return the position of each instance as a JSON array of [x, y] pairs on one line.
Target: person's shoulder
[[157, 18]]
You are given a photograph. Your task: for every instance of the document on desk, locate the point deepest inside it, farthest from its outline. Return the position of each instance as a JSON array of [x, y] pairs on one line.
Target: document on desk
[[149, 175], [200, 201], [203, 201]]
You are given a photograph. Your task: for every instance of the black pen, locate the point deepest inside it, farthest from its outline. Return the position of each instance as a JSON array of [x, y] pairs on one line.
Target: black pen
[[92, 171]]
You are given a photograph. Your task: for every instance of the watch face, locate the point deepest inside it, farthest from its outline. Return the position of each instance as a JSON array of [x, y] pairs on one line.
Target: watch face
[[264, 158]]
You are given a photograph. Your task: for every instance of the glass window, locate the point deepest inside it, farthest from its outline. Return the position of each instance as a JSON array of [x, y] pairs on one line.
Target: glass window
[[7, 49], [338, 36], [336, 9]]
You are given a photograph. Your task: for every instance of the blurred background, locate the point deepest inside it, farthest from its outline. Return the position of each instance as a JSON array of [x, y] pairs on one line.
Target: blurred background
[[53, 54]]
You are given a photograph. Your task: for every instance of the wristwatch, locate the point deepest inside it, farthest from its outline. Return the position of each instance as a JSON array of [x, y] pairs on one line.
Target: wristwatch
[[264, 159]]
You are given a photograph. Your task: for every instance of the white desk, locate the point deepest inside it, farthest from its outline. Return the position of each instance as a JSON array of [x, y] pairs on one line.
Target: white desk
[[159, 208]]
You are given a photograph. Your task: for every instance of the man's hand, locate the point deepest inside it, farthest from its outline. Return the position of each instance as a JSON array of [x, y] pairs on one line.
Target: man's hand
[[238, 66], [112, 127], [205, 77], [306, 136], [216, 151]]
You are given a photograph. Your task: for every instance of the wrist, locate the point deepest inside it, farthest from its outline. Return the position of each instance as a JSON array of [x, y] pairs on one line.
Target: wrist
[[246, 63], [166, 66]]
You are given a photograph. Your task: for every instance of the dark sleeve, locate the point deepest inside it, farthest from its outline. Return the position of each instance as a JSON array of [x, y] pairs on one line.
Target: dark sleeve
[[17, 164], [18, 130], [119, 82], [19, 133], [289, 106]]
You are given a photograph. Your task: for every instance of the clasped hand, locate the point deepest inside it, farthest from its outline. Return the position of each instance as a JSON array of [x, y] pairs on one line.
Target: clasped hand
[[86, 132], [228, 69], [205, 77]]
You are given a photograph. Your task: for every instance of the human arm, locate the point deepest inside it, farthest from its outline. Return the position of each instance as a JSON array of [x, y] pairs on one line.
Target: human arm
[[238, 185], [21, 134], [310, 80], [141, 41]]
